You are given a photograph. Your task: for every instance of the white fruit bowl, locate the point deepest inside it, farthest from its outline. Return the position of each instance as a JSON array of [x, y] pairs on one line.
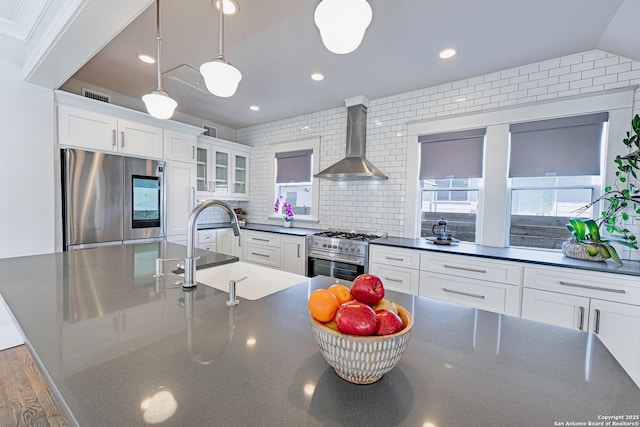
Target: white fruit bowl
[[362, 359]]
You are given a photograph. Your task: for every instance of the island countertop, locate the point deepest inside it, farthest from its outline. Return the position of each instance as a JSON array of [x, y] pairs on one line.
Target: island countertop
[[120, 347]]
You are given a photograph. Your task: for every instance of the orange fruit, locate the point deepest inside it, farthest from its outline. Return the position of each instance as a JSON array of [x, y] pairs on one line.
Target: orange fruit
[[341, 292], [323, 305]]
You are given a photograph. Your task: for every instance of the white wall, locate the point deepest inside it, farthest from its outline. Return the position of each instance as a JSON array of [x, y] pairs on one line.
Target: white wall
[[379, 206], [26, 174]]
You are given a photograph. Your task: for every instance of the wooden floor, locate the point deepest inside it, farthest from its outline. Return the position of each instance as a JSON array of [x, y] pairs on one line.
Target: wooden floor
[[25, 399]]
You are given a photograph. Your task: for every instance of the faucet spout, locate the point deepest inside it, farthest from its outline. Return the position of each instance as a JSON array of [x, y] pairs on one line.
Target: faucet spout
[[190, 260]]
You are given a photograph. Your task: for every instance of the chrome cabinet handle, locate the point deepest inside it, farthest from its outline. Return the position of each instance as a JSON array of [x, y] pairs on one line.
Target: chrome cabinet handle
[[391, 279], [394, 258], [457, 267], [193, 197], [298, 250], [467, 294], [596, 329], [193, 152], [581, 324], [257, 254], [259, 240], [113, 138], [593, 288], [122, 139]]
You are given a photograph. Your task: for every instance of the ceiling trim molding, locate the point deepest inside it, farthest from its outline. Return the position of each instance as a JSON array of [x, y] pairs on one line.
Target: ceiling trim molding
[[27, 17]]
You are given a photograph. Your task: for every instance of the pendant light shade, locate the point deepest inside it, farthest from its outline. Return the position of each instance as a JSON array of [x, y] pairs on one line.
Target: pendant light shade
[[342, 23], [220, 77], [158, 103]]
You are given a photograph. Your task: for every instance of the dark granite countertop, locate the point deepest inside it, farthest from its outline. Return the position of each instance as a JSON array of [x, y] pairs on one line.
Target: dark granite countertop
[[530, 256], [293, 231], [115, 343]]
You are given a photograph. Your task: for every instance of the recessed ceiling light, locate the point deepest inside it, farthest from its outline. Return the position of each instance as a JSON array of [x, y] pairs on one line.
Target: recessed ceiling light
[[146, 58], [317, 76], [231, 7], [254, 108], [447, 53]]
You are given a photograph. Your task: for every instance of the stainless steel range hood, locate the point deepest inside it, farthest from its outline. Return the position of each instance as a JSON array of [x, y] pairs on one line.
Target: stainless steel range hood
[[354, 165]]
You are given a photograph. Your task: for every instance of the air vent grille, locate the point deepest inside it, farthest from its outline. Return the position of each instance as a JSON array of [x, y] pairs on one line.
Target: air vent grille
[[95, 95], [210, 131]]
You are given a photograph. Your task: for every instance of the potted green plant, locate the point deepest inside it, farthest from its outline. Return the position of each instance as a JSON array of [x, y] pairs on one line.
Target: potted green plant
[[621, 198]]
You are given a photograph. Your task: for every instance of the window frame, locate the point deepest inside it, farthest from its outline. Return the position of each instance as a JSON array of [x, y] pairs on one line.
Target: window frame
[[495, 203], [296, 145]]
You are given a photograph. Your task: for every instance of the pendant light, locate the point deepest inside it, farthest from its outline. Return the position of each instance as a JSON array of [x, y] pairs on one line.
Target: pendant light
[[220, 77], [342, 23], [158, 103]]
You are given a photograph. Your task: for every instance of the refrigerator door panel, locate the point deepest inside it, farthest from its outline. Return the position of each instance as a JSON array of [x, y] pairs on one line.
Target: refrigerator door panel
[[93, 197], [143, 199]]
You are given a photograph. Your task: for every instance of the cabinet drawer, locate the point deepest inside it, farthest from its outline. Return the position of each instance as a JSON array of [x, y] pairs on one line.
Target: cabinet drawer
[[263, 255], [264, 239], [489, 296], [396, 278], [206, 237], [588, 284], [397, 257], [472, 267]]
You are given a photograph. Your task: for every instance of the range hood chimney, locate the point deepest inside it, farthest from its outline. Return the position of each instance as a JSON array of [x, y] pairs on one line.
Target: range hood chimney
[[354, 166]]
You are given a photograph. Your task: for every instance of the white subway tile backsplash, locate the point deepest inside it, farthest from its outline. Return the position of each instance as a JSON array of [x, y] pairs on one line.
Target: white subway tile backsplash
[[554, 78]]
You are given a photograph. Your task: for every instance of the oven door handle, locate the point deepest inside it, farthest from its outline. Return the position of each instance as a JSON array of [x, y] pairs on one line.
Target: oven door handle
[[334, 257]]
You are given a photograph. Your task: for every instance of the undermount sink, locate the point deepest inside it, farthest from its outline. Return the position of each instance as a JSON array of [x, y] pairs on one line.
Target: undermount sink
[[260, 281]]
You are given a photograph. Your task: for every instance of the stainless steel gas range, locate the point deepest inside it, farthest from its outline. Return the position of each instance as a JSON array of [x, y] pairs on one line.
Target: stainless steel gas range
[[343, 255]]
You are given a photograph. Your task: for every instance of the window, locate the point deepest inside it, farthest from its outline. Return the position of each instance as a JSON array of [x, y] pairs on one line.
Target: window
[[293, 180], [554, 170], [294, 165], [450, 177]]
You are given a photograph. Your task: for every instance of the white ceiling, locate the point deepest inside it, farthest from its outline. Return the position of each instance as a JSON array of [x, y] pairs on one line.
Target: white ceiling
[[276, 46]]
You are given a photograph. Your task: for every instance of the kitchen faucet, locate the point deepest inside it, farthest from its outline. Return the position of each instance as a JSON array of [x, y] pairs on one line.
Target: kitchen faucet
[[190, 260]]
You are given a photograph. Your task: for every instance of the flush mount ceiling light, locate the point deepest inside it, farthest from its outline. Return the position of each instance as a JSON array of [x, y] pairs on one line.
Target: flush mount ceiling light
[[254, 108], [158, 103], [342, 23], [231, 7], [317, 77], [220, 77], [447, 53]]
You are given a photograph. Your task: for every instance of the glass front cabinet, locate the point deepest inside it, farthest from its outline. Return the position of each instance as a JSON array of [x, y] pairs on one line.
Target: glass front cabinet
[[223, 169]]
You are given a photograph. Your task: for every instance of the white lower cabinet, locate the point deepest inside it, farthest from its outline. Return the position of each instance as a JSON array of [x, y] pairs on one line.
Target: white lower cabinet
[[284, 252], [606, 304], [477, 282], [398, 268], [227, 243], [207, 240], [294, 256]]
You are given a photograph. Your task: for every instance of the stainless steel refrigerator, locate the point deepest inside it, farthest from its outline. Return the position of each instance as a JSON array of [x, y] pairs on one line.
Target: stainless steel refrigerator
[[109, 199]]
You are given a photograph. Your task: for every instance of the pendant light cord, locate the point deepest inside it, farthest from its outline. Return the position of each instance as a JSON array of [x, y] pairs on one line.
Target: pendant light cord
[[221, 56], [159, 39]]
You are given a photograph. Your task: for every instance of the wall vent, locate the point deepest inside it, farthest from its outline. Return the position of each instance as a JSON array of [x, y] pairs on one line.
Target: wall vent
[[95, 95], [210, 131]]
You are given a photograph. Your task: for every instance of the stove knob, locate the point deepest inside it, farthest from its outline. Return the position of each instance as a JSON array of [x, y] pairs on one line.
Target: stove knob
[[324, 245], [358, 249], [335, 246], [340, 247], [353, 248]]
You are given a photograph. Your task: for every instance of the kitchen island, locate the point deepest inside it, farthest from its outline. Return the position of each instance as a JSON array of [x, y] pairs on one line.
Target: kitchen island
[[120, 347]]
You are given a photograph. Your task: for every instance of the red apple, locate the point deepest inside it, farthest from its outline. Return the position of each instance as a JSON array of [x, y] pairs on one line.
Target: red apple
[[356, 318], [368, 289], [388, 322]]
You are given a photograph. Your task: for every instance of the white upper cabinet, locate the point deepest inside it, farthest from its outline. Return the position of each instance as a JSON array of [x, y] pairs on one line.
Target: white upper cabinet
[[96, 131], [223, 169], [179, 146]]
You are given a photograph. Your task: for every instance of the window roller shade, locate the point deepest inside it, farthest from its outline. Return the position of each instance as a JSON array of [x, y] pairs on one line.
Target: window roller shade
[[452, 154], [293, 166], [567, 146]]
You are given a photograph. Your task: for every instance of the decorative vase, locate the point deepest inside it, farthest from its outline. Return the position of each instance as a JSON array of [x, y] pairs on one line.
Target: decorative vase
[[573, 249], [287, 224]]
